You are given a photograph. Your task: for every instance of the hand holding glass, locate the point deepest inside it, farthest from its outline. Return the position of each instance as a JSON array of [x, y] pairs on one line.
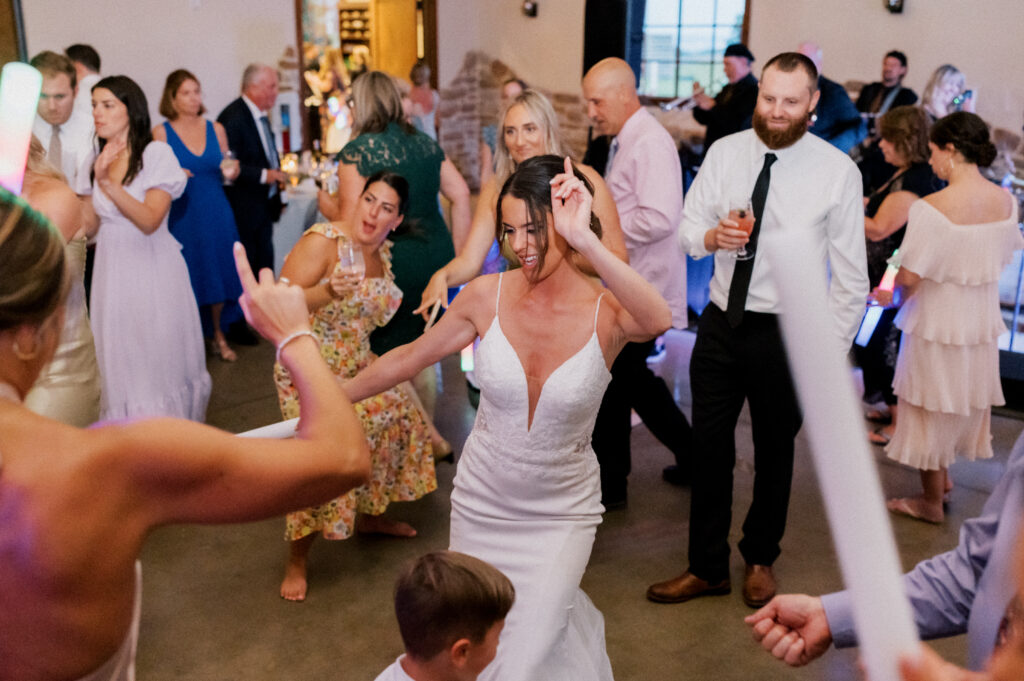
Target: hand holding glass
[[229, 167], [350, 258], [742, 214]]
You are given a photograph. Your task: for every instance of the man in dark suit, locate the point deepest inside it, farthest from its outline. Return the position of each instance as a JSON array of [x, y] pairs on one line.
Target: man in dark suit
[[255, 195], [835, 120]]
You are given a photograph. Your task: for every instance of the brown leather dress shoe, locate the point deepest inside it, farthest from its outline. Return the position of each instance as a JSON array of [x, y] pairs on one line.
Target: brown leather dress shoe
[[685, 587], [758, 585]]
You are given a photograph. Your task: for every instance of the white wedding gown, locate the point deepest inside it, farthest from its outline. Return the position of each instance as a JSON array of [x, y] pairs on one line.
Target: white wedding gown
[[528, 501]]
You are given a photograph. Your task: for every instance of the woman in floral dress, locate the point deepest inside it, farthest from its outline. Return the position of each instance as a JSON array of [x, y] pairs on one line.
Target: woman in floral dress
[[345, 308]]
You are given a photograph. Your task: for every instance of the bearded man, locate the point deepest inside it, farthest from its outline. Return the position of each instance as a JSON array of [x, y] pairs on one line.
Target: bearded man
[[796, 184]]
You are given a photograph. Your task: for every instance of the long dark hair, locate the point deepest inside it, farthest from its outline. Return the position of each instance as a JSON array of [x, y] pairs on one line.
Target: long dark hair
[[531, 182], [139, 134]]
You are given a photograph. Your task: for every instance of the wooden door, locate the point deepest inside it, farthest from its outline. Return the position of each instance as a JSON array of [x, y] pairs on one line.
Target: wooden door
[[394, 39]]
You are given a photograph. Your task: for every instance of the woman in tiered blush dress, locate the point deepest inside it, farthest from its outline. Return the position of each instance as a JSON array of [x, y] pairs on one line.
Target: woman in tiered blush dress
[[957, 243], [527, 491]]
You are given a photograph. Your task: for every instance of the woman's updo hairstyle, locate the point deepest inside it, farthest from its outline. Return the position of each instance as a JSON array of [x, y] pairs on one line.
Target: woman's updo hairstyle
[[33, 279], [968, 134], [531, 182]]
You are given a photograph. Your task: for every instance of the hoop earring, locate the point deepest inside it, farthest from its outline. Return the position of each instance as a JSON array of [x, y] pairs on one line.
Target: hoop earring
[[22, 355]]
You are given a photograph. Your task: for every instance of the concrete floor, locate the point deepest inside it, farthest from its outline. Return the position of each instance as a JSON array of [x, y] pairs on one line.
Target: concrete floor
[[211, 609]]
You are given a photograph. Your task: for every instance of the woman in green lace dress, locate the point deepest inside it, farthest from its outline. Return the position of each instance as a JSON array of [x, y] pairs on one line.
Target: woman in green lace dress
[[383, 140]]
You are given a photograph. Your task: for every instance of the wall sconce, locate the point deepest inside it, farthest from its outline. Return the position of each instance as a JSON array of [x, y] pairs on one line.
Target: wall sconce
[[530, 8], [894, 6]]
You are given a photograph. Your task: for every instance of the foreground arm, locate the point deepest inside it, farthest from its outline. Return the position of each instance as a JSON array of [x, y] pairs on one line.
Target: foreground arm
[[454, 331], [927, 665], [455, 189], [186, 472], [644, 313], [793, 628]]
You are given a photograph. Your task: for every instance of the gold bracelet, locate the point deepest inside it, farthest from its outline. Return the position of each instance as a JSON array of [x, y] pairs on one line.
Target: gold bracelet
[[289, 338]]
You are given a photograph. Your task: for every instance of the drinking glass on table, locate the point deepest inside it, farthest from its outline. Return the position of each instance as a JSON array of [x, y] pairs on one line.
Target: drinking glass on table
[[742, 214]]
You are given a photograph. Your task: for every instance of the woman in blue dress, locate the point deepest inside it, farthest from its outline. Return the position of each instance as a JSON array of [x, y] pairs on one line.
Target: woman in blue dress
[[201, 219]]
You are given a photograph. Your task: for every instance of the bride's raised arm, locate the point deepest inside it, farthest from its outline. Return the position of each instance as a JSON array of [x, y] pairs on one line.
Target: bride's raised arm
[[454, 331], [644, 314]]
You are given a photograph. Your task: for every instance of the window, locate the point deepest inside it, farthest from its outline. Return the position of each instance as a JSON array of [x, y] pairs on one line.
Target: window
[[684, 41]]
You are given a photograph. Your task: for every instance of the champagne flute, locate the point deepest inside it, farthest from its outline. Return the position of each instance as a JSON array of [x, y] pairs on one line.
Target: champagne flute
[[228, 166], [742, 214]]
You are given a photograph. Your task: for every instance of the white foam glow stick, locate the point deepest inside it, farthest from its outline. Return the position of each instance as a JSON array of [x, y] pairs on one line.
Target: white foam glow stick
[[846, 470], [20, 85]]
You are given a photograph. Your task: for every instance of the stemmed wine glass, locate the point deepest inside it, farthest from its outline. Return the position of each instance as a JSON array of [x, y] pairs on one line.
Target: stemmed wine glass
[[229, 166], [742, 214]]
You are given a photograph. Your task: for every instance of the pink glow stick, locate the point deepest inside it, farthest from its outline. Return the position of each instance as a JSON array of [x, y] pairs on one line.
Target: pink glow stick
[[20, 85]]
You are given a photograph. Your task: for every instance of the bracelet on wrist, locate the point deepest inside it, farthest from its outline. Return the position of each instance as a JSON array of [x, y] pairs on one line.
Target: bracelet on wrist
[[289, 338]]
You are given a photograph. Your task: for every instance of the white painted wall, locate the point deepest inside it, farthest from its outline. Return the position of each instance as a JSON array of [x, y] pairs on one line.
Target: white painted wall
[[980, 37], [546, 51], [147, 39]]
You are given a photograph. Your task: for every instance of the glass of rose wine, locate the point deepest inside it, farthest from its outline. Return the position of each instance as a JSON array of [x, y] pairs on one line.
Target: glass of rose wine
[[742, 214]]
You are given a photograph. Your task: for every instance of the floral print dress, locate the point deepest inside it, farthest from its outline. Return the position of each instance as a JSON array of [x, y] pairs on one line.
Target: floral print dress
[[399, 441]]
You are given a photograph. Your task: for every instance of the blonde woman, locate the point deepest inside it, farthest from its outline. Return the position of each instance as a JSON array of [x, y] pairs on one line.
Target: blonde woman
[[529, 128], [79, 504]]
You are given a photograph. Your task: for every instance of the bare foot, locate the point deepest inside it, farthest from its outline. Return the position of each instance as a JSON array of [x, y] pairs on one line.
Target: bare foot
[[917, 508], [293, 586], [375, 524], [881, 436]]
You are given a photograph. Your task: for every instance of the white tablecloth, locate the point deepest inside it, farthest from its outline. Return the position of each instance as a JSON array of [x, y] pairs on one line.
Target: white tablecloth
[[300, 213]]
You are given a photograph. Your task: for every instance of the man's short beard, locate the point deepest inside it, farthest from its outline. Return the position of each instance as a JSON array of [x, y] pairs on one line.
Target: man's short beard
[[780, 139]]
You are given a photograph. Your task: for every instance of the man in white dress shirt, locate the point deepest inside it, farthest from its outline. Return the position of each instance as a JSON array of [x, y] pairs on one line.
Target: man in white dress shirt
[[86, 61], [63, 134], [795, 183]]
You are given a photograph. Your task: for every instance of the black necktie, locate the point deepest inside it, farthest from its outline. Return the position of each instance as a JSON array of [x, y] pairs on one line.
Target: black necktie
[[741, 273]]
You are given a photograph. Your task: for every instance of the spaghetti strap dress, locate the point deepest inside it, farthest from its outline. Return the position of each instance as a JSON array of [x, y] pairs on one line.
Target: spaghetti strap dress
[[527, 499]]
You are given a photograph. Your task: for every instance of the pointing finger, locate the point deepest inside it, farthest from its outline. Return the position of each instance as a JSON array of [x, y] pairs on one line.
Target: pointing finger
[[242, 266]]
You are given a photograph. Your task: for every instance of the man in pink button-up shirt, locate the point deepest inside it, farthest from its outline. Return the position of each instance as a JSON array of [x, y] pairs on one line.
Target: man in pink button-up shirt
[[645, 179]]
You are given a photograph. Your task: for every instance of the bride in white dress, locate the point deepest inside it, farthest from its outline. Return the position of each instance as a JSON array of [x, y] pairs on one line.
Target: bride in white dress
[[527, 492]]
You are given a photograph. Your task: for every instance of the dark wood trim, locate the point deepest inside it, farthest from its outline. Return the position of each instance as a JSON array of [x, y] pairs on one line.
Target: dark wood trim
[[304, 91], [745, 31], [12, 32], [429, 10]]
